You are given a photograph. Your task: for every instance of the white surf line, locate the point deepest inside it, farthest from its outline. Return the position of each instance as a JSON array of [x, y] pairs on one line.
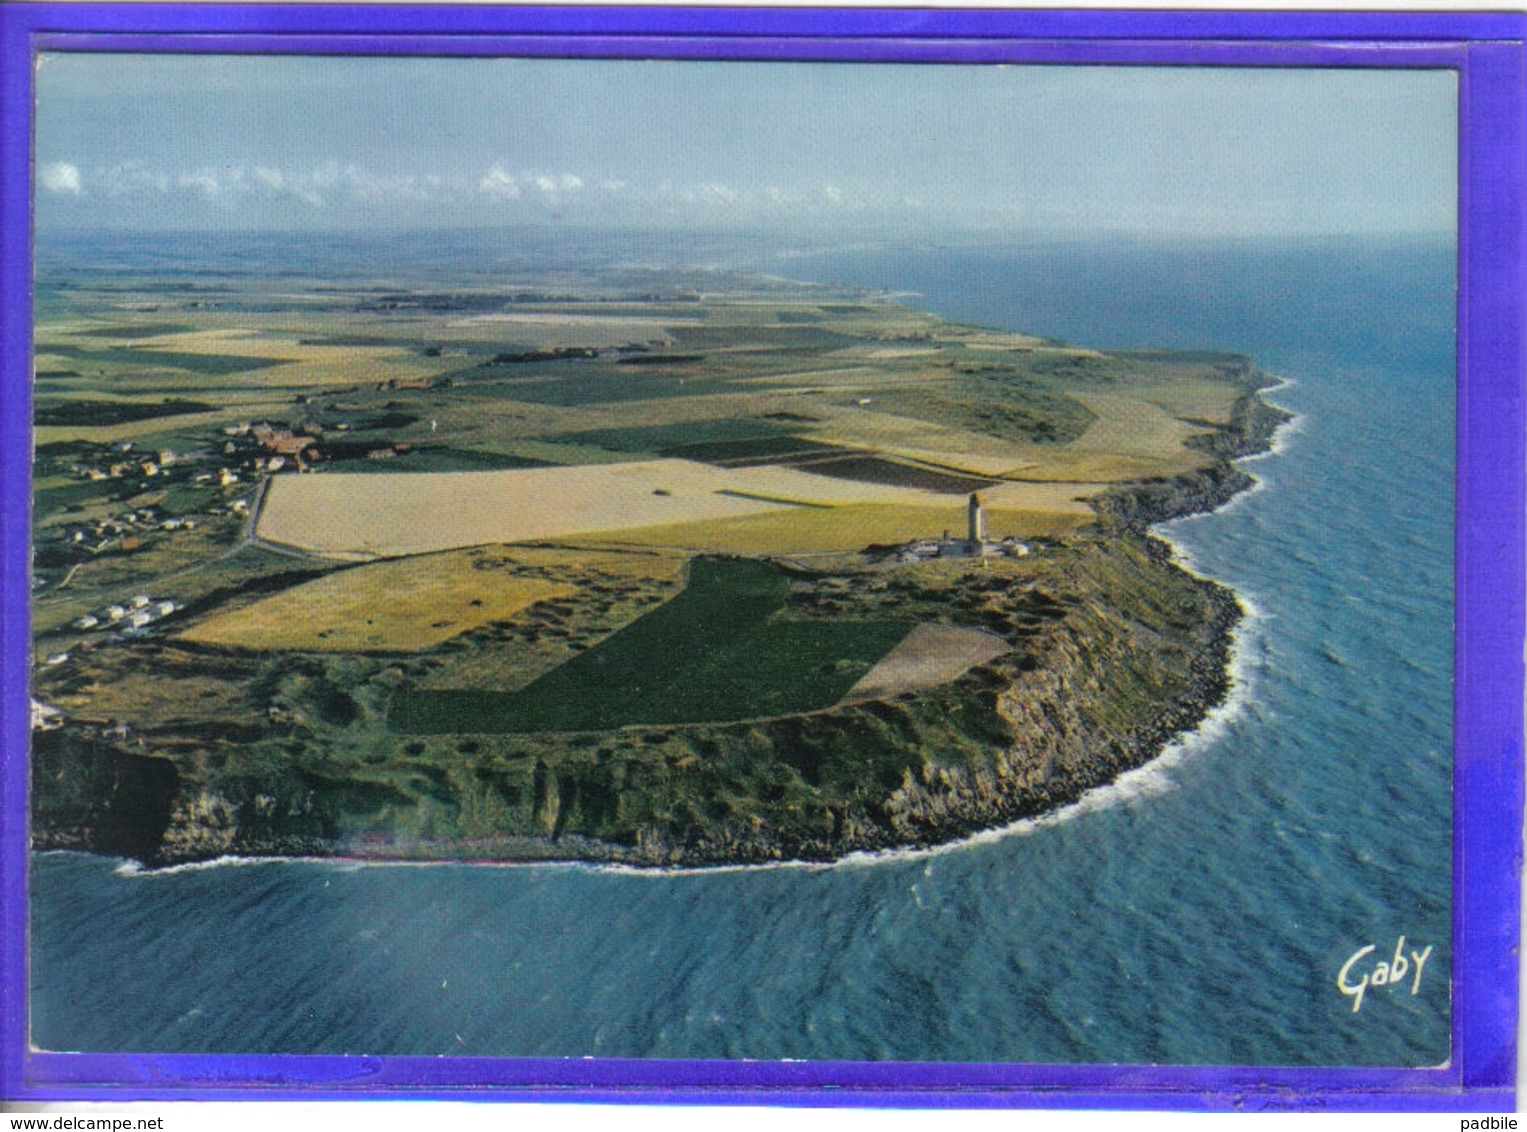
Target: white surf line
[[1277, 446], [337, 864], [1147, 780]]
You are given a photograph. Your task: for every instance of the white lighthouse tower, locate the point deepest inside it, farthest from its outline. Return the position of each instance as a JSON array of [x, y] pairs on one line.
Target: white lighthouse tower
[[977, 525]]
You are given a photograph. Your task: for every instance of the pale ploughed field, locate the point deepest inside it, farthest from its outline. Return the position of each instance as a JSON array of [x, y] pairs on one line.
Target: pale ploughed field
[[927, 656]]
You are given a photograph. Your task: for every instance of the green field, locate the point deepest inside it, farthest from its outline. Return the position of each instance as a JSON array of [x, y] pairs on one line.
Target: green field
[[91, 413], [763, 450], [717, 651], [130, 332], [590, 383], [212, 365], [1004, 404], [435, 460], [673, 437], [795, 337]]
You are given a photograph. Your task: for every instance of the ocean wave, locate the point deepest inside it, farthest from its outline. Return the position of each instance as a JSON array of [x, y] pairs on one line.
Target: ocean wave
[[1283, 434], [128, 868], [1153, 779], [342, 865], [1288, 429], [1278, 444]]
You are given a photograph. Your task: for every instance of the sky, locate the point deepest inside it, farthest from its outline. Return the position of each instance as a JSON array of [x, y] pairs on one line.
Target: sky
[[306, 143]]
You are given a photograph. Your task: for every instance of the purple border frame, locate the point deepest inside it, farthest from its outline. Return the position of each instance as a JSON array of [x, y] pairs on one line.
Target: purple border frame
[[1487, 51]]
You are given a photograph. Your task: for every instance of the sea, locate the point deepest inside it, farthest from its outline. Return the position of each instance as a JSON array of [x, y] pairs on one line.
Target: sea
[[1224, 904]]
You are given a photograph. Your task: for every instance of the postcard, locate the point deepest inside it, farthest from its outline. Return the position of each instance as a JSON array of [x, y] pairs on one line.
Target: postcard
[[689, 555]]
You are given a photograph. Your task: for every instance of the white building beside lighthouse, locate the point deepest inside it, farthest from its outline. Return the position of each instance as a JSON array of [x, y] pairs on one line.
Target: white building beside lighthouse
[[975, 544]]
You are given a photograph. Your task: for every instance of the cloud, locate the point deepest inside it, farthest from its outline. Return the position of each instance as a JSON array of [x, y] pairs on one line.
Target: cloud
[[326, 176], [371, 187], [547, 189], [132, 176], [60, 177], [204, 182], [340, 191], [768, 200], [497, 183]]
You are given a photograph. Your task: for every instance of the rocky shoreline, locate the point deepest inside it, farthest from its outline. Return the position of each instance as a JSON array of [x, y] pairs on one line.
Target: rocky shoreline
[[1252, 426], [1099, 682], [1060, 755]]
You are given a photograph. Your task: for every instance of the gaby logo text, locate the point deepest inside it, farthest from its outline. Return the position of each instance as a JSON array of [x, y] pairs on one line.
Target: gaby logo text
[[1355, 976]]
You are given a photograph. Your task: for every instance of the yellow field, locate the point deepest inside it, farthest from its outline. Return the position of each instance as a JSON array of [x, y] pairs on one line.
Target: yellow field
[[1136, 434], [299, 363], [396, 514], [797, 486], [401, 513], [969, 462], [1133, 437], [551, 329], [945, 445], [154, 698], [821, 530], [1203, 399], [399, 606], [1132, 426], [655, 564]]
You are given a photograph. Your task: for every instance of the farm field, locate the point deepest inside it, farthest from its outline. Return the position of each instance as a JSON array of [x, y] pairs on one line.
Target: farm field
[[388, 515], [714, 652], [405, 605]]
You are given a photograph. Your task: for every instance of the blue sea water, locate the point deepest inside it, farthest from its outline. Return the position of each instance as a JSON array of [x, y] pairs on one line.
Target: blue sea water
[[1197, 912]]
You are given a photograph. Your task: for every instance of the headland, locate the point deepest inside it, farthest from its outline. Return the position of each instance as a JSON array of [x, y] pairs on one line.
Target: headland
[[660, 568]]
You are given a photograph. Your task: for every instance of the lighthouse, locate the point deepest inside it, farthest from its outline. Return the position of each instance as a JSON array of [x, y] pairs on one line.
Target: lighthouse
[[977, 533]]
